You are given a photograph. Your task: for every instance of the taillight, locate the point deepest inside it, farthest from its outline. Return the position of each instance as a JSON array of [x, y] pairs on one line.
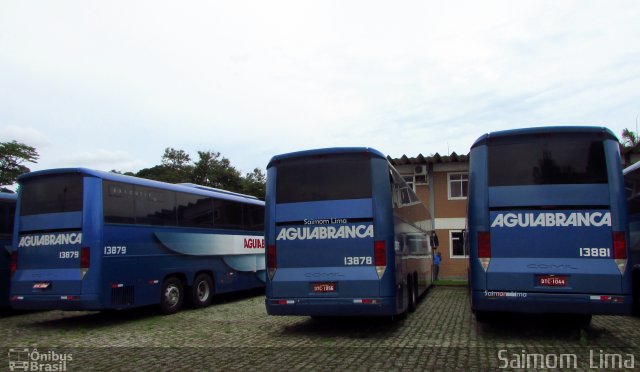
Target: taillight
[[272, 263], [484, 245], [13, 266], [484, 249], [85, 260], [620, 250], [380, 256]]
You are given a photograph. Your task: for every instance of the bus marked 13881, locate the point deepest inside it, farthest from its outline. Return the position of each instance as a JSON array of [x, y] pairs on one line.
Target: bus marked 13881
[[547, 223]]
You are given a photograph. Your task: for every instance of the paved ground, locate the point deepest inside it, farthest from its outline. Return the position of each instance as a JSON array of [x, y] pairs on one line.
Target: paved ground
[[236, 333]]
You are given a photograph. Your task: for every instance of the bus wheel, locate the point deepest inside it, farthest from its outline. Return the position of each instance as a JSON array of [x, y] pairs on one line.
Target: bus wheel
[[635, 290], [411, 296], [202, 291], [582, 320], [171, 296], [483, 316]]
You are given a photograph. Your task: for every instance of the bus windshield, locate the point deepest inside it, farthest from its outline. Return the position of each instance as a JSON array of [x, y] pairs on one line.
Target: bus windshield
[[551, 161], [51, 194], [327, 177]]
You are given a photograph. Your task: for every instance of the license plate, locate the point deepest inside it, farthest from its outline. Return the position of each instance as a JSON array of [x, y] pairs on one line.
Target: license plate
[[324, 287], [552, 281], [41, 285]]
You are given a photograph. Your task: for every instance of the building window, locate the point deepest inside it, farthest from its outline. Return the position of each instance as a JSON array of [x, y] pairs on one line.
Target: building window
[[458, 185], [409, 180], [456, 244]]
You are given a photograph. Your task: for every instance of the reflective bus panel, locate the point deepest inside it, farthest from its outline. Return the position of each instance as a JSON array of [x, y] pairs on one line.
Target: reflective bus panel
[[7, 212], [547, 224], [345, 235], [632, 191], [94, 240]]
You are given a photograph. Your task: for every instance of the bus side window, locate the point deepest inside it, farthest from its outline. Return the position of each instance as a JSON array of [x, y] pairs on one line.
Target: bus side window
[[118, 203]]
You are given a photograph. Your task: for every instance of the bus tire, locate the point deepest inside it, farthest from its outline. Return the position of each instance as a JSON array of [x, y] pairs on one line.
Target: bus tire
[[483, 316], [411, 296], [202, 291], [583, 320], [635, 290], [172, 296]]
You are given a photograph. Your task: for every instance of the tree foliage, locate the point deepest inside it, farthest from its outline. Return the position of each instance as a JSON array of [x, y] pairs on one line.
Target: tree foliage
[[211, 169], [13, 155], [629, 138]]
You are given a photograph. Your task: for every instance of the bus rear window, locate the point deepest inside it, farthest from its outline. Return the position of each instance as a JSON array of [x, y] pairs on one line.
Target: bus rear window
[[329, 177], [547, 161], [51, 194]]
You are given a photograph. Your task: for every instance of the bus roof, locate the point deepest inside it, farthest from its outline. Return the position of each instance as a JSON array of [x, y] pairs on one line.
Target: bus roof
[[8, 196], [482, 140], [327, 151], [188, 188]]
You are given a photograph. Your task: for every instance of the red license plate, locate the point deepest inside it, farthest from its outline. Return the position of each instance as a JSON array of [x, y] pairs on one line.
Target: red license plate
[[41, 285], [324, 287], [552, 281]]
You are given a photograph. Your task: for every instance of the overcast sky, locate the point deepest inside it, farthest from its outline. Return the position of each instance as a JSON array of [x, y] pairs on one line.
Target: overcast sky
[[111, 84]]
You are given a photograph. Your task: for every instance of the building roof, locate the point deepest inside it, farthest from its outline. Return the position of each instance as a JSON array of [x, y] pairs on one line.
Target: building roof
[[432, 159]]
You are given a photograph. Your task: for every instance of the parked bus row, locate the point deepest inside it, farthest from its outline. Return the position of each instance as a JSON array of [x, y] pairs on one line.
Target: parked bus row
[[344, 234]]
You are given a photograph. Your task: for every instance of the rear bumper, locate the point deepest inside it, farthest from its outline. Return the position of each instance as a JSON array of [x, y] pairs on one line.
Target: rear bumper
[[533, 302], [384, 306], [56, 302]]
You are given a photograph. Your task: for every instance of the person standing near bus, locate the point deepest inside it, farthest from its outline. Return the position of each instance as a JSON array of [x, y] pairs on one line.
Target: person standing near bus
[[436, 263]]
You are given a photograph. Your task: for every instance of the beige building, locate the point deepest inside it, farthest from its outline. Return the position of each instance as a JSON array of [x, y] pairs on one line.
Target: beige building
[[441, 183]]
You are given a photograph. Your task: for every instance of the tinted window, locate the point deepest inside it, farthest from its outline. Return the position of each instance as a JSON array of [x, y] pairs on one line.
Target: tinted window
[[547, 161], [331, 177], [118, 202], [227, 214], [51, 194], [154, 206], [130, 204], [254, 217], [194, 210], [7, 212]]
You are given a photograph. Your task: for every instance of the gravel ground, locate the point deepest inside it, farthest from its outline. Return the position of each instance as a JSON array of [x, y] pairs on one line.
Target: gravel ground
[[235, 333]]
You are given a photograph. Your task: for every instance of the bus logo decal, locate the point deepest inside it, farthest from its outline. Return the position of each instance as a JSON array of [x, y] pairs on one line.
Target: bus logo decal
[[558, 219], [254, 243], [326, 232], [50, 239]]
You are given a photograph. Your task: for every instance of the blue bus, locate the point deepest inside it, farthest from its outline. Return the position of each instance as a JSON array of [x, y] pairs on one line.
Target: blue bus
[[632, 189], [91, 240], [547, 223], [345, 235], [7, 211]]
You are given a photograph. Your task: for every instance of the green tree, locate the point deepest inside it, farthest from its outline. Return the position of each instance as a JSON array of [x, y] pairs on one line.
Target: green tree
[[629, 138], [254, 183], [12, 157], [175, 168], [213, 171]]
